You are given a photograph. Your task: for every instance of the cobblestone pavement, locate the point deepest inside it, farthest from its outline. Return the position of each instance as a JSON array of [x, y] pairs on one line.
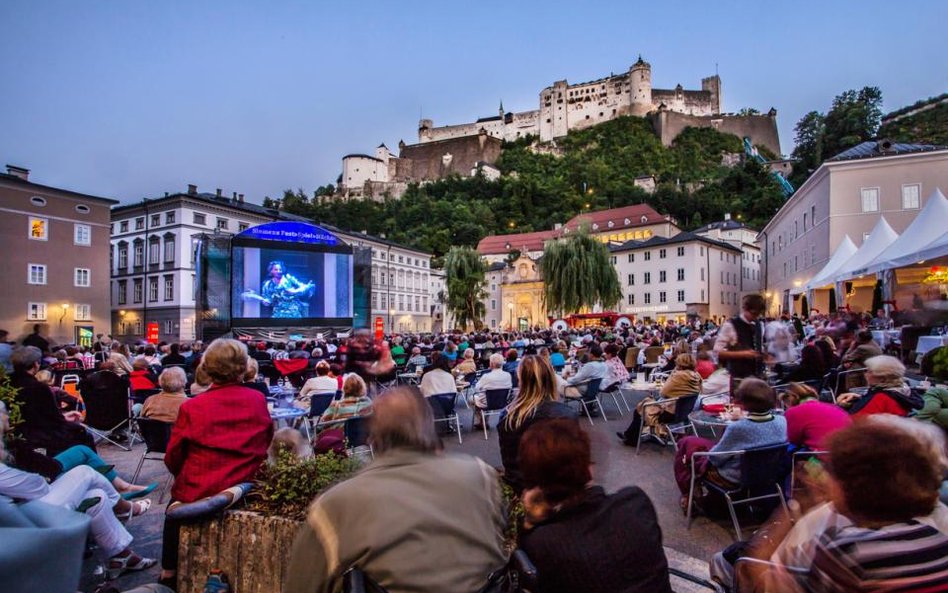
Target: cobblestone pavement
[[616, 466]]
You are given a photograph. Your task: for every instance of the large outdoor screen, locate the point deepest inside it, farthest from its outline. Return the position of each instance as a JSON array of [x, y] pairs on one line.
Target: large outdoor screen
[[289, 284]]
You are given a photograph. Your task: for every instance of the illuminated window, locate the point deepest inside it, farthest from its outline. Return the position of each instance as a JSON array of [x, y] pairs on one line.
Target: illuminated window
[[39, 229]]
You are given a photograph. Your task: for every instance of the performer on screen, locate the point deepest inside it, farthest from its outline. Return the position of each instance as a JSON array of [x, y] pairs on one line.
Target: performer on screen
[[283, 293]]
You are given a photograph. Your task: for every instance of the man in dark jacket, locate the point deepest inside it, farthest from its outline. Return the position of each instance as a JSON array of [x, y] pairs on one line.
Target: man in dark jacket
[[43, 424]]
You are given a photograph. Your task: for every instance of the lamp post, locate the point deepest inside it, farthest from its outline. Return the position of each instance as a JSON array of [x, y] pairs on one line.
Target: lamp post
[[391, 326], [65, 308], [510, 311]]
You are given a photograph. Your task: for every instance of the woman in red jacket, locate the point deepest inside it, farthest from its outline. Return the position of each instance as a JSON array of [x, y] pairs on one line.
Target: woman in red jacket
[[219, 440], [887, 393]]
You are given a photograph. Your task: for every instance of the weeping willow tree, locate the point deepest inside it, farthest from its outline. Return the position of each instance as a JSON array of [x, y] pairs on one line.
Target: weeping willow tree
[[465, 275], [578, 274]]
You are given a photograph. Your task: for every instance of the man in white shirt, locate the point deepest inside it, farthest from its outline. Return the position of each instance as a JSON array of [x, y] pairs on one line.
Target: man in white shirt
[[497, 378], [575, 386]]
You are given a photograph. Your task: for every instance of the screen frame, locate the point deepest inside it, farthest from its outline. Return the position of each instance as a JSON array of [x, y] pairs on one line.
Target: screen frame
[[266, 322]]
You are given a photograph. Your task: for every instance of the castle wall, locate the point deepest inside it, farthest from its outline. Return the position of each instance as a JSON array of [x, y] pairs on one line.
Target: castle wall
[[682, 101], [434, 160], [762, 129], [357, 169]]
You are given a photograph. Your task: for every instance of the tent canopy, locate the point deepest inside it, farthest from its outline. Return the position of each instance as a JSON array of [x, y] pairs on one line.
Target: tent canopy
[[927, 228], [881, 237], [844, 251]]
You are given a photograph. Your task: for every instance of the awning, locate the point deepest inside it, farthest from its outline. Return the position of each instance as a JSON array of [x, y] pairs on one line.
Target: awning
[[844, 251], [927, 228], [881, 237]]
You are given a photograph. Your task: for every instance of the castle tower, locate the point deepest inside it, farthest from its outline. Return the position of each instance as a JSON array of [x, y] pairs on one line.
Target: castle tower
[[640, 77], [713, 84], [424, 130]]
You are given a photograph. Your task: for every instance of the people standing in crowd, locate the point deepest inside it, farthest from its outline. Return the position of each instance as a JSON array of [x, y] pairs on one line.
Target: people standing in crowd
[[578, 537], [36, 339], [739, 343], [536, 401], [450, 504]]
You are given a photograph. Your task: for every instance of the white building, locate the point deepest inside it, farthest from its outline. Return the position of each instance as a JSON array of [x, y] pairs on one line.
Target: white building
[[153, 253], [401, 295], [153, 261], [739, 235], [846, 195], [685, 275]]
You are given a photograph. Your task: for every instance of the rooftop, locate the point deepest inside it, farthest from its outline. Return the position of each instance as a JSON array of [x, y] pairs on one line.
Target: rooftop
[[534, 241], [621, 218], [880, 148], [723, 225], [19, 180], [682, 237]]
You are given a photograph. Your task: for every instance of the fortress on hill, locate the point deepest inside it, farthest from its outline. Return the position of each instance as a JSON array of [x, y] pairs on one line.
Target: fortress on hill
[[465, 149]]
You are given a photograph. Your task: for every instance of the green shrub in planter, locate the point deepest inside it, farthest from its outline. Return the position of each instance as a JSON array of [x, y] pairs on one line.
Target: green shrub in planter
[[940, 364], [286, 488]]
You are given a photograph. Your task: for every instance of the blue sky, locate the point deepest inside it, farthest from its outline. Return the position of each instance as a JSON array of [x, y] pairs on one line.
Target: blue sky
[[129, 99]]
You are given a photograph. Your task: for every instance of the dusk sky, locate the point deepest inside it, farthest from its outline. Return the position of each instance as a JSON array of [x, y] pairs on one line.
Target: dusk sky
[[128, 99]]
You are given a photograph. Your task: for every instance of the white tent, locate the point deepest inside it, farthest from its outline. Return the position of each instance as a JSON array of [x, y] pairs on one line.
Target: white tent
[[927, 228], [881, 237], [937, 248], [825, 276]]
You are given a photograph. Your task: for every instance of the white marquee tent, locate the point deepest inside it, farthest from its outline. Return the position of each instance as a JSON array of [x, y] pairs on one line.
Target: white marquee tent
[[923, 235], [825, 276], [881, 237]]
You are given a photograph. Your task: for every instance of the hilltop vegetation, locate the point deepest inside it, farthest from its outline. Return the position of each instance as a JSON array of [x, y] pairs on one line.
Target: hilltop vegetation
[[925, 127], [596, 169]]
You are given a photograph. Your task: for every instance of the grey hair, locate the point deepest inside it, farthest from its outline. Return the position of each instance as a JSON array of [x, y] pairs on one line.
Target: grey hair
[[25, 357], [173, 380], [886, 367], [402, 419], [496, 360]]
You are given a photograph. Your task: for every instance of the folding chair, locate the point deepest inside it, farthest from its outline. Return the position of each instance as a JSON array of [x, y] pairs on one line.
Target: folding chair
[[612, 390], [442, 406], [107, 412], [156, 435], [762, 468], [746, 578], [684, 405], [591, 395], [497, 400], [356, 431], [69, 379]]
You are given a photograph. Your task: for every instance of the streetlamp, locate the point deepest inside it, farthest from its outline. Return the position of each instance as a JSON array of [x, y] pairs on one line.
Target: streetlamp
[[65, 308], [391, 327], [510, 311]]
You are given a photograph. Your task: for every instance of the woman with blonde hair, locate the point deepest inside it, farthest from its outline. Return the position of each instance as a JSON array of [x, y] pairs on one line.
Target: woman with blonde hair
[[536, 401]]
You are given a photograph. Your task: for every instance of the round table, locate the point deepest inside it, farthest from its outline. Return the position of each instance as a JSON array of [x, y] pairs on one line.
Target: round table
[[409, 378], [290, 416], [633, 392], [884, 337]]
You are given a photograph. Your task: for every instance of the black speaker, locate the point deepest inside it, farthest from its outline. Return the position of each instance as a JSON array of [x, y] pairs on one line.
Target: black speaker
[[849, 287]]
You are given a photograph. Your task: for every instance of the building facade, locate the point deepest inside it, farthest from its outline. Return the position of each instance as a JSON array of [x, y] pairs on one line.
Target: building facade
[[154, 257], [515, 295], [56, 245], [401, 283], [739, 235], [847, 195], [679, 277], [154, 264]]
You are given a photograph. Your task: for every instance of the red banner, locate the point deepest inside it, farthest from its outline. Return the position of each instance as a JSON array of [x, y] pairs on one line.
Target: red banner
[[151, 335], [379, 328]]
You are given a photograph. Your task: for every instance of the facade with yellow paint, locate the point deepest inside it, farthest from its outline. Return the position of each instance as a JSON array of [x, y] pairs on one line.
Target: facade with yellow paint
[[515, 295]]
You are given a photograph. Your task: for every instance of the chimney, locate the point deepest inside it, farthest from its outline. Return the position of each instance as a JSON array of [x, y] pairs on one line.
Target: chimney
[[219, 192], [192, 189], [240, 198], [166, 194], [20, 172], [727, 216], [235, 197]]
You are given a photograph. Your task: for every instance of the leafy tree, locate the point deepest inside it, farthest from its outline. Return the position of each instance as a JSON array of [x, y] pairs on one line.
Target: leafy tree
[[578, 274], [748, 111], [465, 276], [925, 127], [808, 151], [854, 118]]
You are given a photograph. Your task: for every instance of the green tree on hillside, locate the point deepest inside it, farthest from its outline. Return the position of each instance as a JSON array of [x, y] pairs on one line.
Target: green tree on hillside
[[853, 118], [465, 275], [577, 275]]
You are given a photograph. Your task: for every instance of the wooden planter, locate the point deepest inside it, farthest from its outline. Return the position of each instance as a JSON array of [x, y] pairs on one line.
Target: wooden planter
[[253, 550]]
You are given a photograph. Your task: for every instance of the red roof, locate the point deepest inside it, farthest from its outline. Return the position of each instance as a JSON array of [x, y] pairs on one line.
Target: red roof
[[534, 241], [621, 218]]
